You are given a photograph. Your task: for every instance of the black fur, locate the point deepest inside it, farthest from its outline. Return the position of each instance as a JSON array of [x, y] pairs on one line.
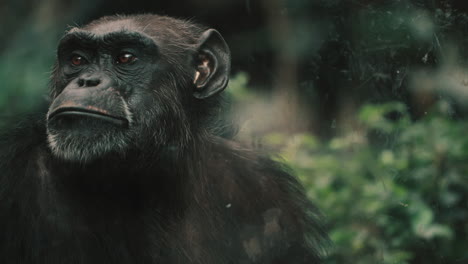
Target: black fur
[[171, 192]]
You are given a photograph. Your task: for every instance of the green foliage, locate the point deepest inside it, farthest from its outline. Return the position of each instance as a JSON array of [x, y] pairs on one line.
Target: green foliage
[[25, 71], [404, 202]]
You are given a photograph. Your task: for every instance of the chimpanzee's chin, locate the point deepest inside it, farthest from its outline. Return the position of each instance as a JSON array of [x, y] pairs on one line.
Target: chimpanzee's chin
[[84, 144]]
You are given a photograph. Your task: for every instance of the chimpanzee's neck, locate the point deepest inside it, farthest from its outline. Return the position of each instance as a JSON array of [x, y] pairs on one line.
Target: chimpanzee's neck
[[144, 177]]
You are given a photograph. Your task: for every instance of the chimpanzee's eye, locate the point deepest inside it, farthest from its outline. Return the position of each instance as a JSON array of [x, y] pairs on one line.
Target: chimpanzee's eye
[[126, 58], [78, 60]]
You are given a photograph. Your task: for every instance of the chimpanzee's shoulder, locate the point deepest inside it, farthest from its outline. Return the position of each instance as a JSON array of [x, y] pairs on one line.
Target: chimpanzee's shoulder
[[267, 203]]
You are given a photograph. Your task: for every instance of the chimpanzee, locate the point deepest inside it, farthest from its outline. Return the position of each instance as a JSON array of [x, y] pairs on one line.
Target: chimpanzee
[[126, 165]]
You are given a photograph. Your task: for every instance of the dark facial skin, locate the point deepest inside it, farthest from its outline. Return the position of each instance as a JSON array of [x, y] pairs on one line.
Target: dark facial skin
[[102, 76]]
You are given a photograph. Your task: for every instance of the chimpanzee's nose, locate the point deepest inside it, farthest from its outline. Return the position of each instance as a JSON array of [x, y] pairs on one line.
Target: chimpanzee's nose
[[91, 81]]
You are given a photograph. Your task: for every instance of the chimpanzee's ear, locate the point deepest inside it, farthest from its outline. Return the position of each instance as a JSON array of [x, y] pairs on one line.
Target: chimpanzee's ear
[[213, 64]]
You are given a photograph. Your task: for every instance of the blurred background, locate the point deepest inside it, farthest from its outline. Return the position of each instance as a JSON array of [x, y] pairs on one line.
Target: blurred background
[[366, 100]]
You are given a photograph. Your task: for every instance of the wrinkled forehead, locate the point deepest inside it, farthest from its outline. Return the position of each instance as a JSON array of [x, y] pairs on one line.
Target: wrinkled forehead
[[167, 35], [107, 34], [107, 27]]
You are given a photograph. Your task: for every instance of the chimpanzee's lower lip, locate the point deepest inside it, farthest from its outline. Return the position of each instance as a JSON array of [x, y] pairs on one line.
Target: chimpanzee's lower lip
[[84, 112]]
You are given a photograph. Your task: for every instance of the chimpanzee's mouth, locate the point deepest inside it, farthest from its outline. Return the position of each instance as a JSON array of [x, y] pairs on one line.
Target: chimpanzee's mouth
[[78, 112]]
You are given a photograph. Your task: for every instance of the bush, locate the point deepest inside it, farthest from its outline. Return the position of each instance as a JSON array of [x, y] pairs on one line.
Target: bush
[[395, 192]]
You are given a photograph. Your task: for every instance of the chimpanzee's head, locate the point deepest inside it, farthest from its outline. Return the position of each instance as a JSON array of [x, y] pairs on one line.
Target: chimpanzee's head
[[133, 82]]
